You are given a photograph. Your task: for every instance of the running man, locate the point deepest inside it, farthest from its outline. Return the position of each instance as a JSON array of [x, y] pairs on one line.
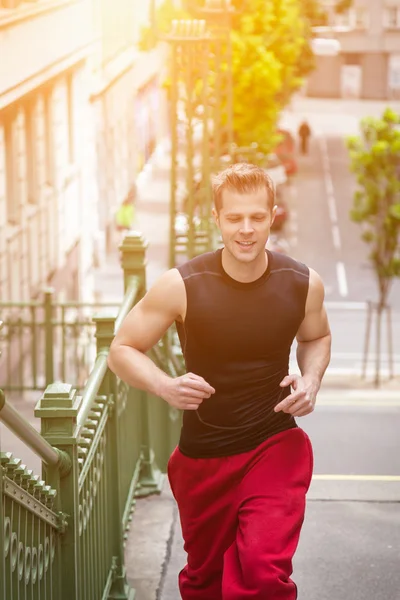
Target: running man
[[243, 466]]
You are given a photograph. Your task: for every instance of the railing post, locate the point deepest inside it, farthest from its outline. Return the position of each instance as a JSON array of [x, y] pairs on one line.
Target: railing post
[[49, 337], [133, 259], [57, 409], [4, 536], [133, 262], [105, 324]]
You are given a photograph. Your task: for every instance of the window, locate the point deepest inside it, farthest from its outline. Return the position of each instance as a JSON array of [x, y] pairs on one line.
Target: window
[[70, 116], [360, 17], [391, 17], [354, 18], [49, 133], [12, 187], [31, 154], [352, 59]]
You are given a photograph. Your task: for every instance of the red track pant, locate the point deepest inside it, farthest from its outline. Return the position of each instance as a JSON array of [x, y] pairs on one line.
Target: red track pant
[[241, 518]]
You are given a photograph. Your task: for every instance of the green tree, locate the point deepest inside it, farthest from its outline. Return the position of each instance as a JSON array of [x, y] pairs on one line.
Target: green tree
[[271, 55], [375, 160], [342, 6], [270, 39]]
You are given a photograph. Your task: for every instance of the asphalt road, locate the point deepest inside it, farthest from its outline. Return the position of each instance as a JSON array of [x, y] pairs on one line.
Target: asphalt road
[[350, 545], [320, 233], [354, 439], [349, 551], [350, 542]]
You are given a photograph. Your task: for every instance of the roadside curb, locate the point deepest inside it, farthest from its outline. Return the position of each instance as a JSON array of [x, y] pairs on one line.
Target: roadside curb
[[352, 385]]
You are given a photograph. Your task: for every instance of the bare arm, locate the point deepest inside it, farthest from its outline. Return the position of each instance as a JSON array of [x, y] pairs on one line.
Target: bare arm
[[143, 327], [313, 353], [314, 336]]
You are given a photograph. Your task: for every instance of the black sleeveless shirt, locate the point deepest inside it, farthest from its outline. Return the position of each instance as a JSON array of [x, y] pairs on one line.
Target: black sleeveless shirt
[[238, 337]]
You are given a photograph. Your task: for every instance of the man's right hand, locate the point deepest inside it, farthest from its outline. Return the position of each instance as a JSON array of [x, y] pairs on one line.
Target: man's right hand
[[186, 392]]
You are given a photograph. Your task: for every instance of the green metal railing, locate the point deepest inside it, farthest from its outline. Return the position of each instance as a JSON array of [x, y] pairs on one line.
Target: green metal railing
[[101, 450], [30, 565], [30, 520], [42, 341]]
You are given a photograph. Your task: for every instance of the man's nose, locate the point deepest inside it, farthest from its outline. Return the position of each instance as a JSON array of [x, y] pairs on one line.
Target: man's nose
[[247, 226]]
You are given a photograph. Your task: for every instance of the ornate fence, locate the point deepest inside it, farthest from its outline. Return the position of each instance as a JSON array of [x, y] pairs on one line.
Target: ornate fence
[[42, 341], [101, 449], [32, 533]]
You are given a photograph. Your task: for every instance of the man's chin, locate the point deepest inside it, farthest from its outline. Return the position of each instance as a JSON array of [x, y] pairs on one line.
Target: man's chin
[[245, 255]]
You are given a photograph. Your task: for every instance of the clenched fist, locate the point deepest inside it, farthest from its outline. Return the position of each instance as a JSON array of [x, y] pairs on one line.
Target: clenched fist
[[186, 392]]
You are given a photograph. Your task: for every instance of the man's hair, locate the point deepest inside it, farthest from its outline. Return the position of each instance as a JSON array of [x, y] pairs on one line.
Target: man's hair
[[242, 178]]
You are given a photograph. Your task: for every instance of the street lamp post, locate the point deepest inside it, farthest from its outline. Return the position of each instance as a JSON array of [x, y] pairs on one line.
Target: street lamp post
[[201, 96], [189, 42], [218, 16], [218, 103]]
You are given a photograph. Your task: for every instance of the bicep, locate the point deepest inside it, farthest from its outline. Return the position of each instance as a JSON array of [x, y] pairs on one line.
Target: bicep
[[315, 323], [314, 326], [152, 316]]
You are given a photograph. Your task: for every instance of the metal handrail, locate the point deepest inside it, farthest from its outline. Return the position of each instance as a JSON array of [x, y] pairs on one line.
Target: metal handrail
[[28, 434], [92, 388], [96, 377], [129, 300]]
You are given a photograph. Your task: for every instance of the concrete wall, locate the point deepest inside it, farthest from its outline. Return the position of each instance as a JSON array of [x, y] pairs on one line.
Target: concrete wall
[[375, 77], [71, 70], [123, 111], [34, 40], [58, 211], [47, 177], [374, 43], [324, 82]]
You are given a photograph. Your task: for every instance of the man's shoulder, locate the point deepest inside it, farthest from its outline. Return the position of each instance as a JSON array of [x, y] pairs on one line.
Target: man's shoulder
[[206, 262], [281, 261]]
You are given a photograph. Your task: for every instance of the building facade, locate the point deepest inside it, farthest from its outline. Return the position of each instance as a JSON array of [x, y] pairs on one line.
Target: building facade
[[75, 130], [368, 63], [129, 105]]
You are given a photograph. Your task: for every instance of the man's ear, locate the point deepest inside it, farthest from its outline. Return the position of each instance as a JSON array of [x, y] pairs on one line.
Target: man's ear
[[273, 214], [215, 215]]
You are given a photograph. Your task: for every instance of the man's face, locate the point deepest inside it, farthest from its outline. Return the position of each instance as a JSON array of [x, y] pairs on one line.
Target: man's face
[[245, 222]]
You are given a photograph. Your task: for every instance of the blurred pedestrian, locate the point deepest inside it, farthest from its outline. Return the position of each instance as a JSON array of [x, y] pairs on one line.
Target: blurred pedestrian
[[125, 214], [304, 135]]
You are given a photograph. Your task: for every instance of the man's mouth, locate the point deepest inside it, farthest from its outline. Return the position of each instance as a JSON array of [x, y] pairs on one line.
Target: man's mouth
[[245, 244]]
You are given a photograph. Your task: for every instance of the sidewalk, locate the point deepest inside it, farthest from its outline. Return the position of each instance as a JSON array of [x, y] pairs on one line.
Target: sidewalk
[[152, 220]]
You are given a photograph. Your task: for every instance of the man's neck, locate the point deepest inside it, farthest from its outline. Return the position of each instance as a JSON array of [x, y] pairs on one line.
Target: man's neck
[[244, 272]]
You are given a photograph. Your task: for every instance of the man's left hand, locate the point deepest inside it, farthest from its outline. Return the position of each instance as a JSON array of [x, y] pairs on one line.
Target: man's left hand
[[302, 400]]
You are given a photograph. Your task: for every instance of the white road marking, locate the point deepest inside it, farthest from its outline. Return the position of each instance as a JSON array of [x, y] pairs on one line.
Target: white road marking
[[328, 182], [350, 371], [332, 208], [337, 243], [336, 237], [332, 305], [356, 355], [359, 403], [333, 216], [342, 280], [337, 477]]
